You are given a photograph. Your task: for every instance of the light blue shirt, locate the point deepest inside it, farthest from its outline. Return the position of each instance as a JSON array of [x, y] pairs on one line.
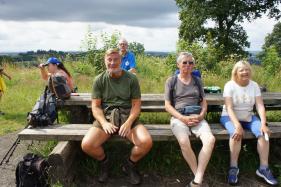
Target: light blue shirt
[[128, 61]]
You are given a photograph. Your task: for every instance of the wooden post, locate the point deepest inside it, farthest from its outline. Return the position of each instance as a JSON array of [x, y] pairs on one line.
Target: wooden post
[[61, 160]]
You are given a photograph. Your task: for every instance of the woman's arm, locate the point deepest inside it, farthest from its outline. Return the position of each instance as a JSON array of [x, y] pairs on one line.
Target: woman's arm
[[261, 111], [238, 128], [43, 71]]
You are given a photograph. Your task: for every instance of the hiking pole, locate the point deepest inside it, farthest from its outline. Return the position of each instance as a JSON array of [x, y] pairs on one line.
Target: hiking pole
[[11, 150]]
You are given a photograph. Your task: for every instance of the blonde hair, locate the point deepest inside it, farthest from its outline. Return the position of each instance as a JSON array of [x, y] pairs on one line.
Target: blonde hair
[[111, 51], [240, 64]]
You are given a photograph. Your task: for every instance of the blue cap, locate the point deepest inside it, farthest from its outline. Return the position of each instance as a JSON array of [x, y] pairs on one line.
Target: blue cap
[[52, 60]]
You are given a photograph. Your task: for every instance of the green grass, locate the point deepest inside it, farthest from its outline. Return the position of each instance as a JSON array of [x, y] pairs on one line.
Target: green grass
[[27, 85]]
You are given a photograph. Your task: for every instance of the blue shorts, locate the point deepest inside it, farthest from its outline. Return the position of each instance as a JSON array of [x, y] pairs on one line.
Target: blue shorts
[[254, 126]]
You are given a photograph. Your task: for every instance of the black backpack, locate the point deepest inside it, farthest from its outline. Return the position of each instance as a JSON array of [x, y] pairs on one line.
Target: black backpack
[[44, 112], [58, 86], [32, 171], [173, 85]]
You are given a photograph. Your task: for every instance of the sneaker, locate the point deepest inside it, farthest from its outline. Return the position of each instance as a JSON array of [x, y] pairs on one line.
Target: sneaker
[[130, 169], [192, 184], [267, 176], [104, 171], [233, 175]]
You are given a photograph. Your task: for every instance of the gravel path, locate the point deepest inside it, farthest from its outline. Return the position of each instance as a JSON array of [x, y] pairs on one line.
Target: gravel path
[[7, 171]]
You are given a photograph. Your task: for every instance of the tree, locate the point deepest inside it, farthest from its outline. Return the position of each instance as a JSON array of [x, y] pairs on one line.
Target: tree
[[274, 38], [271, 60], [227, 15], [136, 47]]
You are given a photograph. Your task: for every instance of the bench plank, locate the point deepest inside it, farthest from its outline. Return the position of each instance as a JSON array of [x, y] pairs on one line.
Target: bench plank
[[76, 132], [269, 98]]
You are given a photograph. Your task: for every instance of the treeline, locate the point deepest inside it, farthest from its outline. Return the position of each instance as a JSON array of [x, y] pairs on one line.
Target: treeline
[[32, 56]]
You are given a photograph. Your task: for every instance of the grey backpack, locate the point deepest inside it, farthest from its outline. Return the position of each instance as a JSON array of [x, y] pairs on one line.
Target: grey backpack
[[58, 85]]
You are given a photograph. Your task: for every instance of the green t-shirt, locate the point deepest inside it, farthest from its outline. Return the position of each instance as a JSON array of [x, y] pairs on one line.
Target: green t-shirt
[[116, 91]]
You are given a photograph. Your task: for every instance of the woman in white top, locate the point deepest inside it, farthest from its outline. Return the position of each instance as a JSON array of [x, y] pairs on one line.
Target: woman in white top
[[240, 95]]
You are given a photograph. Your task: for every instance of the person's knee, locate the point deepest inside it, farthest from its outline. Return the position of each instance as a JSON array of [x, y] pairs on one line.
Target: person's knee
[[85, 145], [146, 143], [88, 146], [209, 140], [184, 143]]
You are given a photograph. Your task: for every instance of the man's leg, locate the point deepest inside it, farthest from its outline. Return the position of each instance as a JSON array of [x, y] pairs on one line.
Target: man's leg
[[142, 141], [208, 141], [182, 133], [203, 131], [92, 143], [187, 152]]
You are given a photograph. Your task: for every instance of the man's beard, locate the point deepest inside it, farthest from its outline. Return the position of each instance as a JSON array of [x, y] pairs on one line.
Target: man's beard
[[114, 72]]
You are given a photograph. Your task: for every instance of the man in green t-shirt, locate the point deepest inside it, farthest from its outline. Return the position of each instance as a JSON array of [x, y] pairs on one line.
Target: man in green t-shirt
[[116, 93]]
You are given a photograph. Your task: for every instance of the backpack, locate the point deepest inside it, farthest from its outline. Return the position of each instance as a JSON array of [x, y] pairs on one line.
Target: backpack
[[173, 85], [58, 86], [194, 72], [44, 112], [32, 171]]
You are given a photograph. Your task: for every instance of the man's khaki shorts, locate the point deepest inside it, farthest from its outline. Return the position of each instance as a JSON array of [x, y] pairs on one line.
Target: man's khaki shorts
[[121, 116], [179, 128]]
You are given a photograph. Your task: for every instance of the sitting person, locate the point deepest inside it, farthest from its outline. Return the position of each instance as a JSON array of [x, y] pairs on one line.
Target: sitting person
[[240, 95], [2, 84], [185, 101], [128, 57], [56, 67], [116, 92]]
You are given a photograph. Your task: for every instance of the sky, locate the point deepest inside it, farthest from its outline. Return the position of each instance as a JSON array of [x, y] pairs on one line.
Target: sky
[[27, 25]]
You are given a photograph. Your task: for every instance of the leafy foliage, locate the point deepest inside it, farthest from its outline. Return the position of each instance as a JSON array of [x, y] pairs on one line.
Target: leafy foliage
[[137, 48], [271, 61], [227, 15], [274, 38]]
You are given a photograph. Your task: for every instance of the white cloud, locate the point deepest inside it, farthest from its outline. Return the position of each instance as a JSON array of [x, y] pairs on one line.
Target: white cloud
[[67, 36], [257, 31]]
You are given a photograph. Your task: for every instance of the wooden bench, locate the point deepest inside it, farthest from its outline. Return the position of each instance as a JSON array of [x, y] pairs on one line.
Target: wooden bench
[[70, 135], [80, 104], [159, 132]]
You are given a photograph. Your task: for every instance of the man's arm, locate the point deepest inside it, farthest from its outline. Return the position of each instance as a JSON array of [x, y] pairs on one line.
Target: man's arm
[[99, 116]]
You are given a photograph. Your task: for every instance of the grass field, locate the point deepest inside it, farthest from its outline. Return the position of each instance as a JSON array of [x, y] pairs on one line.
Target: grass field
[[26, 86]]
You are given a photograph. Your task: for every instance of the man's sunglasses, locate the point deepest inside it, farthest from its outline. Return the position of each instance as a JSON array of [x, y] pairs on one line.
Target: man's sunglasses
[[188, 62]]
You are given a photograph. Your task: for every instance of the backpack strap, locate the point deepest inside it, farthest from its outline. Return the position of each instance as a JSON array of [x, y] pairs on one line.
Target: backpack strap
[[172, 89], [197, 83]]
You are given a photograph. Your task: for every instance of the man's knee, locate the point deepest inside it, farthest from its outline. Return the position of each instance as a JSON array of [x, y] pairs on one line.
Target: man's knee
[[208, 140], [89, 146], [184, 142], [86, 145], [146, 143]]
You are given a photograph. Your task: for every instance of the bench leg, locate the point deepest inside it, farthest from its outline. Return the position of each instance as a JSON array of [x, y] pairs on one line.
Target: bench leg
[[61, 160]]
